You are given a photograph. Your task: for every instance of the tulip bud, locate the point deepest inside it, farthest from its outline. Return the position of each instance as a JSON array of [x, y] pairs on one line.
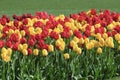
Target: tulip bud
[[50, 48], [35, 52], [44, 52], [20, 47], [22, 32], [99, 50], [25, 52], [3, 50], [66, 56], [25, 46], [9, 51]]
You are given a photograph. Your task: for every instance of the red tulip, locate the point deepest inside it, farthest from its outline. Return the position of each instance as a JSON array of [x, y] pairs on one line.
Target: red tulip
[[1, 43], [23, 40], [31, 42], [54, 35], [29, 51], [77, 34]]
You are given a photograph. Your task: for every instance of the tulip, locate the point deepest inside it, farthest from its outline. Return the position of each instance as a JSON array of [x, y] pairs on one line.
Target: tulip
[[99, 50], [44, 52], [22, 33], [9, 51], [66, 56], [25, 46], [35, 52], [25, 52], [50, 48]]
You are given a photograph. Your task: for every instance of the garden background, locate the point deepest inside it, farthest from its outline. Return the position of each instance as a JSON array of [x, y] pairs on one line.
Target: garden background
[[56, 7]]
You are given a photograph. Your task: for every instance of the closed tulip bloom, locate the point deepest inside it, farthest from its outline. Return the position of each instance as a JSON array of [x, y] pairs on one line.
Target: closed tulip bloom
[[9, 51], [98, 36], [72, 43], [1, 34], [11, 32], [88, 46], [117, 37], [81, 41], [76, 39], [3, 50], [58, 42], [62, 47], [20, 47], [50, 48], [86, 40], [35, 52], [66, 56], [105, 35], [110, 26], [99, 50], [25, 46], [44, 52], [7, 59], [79, 50], [22, 33], [75, 47], [25, 52]]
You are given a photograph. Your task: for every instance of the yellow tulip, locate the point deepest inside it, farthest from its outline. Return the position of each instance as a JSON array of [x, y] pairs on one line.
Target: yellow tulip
[[38, 30], [34, 20], [110, 26], [60, 27], [71, 32], [20, 47], [25, 52], [99, 50], [79, 50], [17, 31], [1, 34], [22, 33], [98, 36], [62, 17], [88, 46], [81, 41], [57, 30], [58, 42], [10, 32], [9, 51], [92, 29], [3, 50], [111, 45], [35, 52], [117, 37], [75, 47], [118, 42], [76, 39], [97, 25], [62, 47], [25, 46], [105, 35], [44, 52], [50, 48], [1, 27], [66, 56], [6, 59], [86, 40], [72, 43]]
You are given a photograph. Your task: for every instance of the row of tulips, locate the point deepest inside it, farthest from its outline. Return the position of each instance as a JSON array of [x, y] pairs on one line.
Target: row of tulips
[[79, 46]]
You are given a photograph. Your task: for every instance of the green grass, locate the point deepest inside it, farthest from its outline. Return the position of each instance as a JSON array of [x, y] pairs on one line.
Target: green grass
[[56, 7]]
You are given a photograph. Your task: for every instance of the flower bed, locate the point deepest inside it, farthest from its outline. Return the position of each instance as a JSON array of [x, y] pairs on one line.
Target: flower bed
[[42, 46]]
